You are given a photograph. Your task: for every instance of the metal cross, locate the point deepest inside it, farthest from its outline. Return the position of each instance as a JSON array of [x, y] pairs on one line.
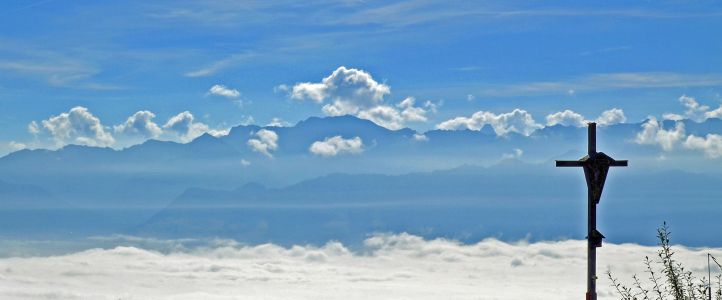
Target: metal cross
[[596, 166]]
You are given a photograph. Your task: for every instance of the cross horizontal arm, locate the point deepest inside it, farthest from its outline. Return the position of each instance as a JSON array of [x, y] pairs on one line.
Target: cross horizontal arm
[[571, 163], [618, 163]]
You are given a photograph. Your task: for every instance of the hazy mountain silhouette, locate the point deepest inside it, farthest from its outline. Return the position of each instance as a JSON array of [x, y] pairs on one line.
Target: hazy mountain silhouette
[[511, 198]]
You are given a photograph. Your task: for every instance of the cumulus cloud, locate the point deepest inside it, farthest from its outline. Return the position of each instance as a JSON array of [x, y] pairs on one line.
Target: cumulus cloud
[[516, 154], [566, 118], [140, 124], [355, 92], [711, 145], [33, 128], [653, 133], [518, 121], [387, 266], [219, 132], [420, 137], [717, 113], [16, 146], [611, 117], [570, 118], [245, 162], [221, 90], [337, 145], [433, 107], [349, 89], [78, 125], [184, 127], [267, 140], [673, 117], [694, 111], [276, 122], [280, 88], [693, 108]]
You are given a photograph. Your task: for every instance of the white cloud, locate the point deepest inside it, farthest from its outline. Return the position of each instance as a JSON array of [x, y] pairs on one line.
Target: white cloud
[[611, 117], [140, 124], [16, 146], [420, 137], [694, 111], [33, 128], [566, 118], [518, 121], [184, 126], [268, 140], [351, 91], [654, 134], [570, 118], [78, 125], [717, 113], [248, 121], [470, 97], [411, 113], [517, 153], [276, 122], [385, 116], [711, 146], [222, 90], [692, 106], [673, 117], [602, 82], [337, 145], [385, 266], [245, 162], [219, 132], [280, 88]]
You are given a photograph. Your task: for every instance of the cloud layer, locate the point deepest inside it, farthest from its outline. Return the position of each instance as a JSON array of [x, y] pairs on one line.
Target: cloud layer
[[387, 266]]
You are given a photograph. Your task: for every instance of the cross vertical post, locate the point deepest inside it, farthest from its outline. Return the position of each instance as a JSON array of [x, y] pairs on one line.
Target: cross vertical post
[[596, 166]]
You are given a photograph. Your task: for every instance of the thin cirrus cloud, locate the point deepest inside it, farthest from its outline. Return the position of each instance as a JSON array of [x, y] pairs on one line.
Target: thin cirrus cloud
[[355, 92], [337, 145], [385, 266], [217, 66], [602, 82]]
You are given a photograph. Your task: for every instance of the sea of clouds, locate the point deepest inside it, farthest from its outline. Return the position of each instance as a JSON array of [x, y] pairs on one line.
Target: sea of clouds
[[386, 266]]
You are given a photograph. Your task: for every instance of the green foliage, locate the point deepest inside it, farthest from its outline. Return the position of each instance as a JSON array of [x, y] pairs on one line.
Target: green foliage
[[673, 282]]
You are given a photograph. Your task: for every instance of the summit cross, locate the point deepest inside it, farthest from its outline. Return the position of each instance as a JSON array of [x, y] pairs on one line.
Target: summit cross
[[596, 166]]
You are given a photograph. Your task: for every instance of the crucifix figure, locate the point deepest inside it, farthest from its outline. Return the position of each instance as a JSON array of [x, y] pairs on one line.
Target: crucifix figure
[[595, 165]]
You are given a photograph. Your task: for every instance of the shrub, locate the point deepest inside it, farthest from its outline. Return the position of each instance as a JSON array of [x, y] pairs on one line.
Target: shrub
[[673, 281]]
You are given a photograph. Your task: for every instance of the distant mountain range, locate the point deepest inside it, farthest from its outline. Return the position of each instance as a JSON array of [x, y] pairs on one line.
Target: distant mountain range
[[468, 202], [163, 188]]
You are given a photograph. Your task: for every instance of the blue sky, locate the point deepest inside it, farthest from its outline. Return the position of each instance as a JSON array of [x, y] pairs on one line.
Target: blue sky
[[118, 58]]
